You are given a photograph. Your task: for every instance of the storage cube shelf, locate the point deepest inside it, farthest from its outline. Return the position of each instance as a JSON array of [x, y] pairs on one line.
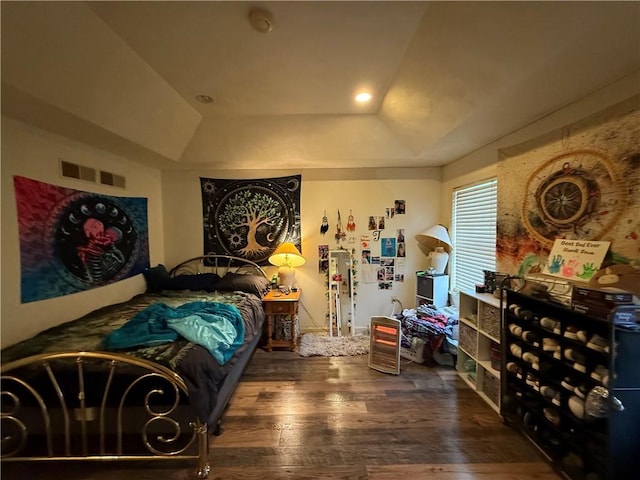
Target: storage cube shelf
[[479, 331]]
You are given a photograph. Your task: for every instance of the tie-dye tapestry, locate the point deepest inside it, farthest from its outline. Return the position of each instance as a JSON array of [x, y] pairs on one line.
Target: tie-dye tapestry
[[250, 218], [579, 183], [72, 240]]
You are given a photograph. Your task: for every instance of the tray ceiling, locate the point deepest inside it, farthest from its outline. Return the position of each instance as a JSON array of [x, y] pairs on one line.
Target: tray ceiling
[[446, 77]]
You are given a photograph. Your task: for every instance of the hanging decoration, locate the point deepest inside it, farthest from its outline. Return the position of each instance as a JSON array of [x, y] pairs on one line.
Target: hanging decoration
[[351, 224], [340, 235], [72, 240], [577, 188], [251, 218], [324, 226]]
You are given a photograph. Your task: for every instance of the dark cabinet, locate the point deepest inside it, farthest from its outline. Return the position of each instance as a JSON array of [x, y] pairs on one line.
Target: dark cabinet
[[571, 384]]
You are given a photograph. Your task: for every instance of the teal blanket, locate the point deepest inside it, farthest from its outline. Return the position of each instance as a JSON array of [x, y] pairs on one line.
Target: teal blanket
[[218, 327]]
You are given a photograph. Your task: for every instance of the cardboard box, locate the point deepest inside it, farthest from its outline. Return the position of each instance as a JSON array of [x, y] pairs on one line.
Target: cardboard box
[[607, 295], [597, 310]]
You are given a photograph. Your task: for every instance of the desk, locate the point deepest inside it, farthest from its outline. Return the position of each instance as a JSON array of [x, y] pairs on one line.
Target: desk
[[281, 310]]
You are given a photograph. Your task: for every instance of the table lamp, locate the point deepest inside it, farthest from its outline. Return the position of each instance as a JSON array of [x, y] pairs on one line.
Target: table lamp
[[436, 244], [287, 258]]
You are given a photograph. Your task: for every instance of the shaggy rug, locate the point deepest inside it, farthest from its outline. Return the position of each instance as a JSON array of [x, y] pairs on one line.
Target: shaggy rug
[[325, 346]]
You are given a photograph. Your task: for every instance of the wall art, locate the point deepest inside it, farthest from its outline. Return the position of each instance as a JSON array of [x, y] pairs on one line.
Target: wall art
[[71, 240], [581, 182], [250, 218]]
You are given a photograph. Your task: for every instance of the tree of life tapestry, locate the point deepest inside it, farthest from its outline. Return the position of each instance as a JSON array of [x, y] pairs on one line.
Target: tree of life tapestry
[[250, 218], [72, 240]]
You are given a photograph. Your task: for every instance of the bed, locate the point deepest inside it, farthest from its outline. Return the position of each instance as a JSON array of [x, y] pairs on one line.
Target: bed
[[145, 379]]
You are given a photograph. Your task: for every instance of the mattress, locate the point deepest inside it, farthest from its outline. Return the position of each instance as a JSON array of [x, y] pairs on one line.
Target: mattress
[[203, 375]]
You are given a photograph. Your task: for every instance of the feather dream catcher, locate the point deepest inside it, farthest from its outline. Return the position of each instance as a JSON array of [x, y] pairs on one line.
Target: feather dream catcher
[[324, 226]]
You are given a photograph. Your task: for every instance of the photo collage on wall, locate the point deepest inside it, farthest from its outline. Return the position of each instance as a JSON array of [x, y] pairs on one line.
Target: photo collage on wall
[[383, 248]]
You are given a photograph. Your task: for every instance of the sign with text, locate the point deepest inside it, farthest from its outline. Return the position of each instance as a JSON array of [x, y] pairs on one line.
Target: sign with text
[[576, 260]]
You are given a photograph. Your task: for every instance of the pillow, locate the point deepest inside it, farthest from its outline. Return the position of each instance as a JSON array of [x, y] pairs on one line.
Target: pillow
[[247, 283], [156, 277], [202, 281]]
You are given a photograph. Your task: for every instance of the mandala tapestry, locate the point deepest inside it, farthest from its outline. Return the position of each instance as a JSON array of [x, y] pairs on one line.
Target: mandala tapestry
[[72, 241], [581, 182], [250, 218]]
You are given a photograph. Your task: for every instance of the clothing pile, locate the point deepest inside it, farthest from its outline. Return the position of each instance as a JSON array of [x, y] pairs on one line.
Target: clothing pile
[[438, 330]]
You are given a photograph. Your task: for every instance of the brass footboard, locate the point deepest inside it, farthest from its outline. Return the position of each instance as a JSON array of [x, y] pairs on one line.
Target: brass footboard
[[97, 406]]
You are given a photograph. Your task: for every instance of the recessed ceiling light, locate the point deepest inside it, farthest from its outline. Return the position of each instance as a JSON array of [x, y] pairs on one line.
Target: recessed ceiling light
[[363, 97], [204, 99]]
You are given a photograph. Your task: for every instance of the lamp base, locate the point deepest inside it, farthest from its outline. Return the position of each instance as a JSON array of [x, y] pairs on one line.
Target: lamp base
[[286, 276], [439, 259]]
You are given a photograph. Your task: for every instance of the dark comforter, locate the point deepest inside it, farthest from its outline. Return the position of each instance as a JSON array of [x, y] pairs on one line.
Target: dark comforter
[[199, 369]]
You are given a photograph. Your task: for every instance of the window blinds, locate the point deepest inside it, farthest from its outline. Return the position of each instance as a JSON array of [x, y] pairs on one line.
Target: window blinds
[[474, 234]]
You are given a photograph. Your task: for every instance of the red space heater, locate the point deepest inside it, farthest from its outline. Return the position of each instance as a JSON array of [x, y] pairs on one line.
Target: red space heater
[[384, 351]]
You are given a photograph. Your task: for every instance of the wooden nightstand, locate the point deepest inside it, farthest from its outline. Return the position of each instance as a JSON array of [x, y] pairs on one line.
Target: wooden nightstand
[[281, 310]]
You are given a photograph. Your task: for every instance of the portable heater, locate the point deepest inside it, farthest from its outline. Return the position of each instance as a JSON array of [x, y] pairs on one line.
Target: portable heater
[[384, 351]]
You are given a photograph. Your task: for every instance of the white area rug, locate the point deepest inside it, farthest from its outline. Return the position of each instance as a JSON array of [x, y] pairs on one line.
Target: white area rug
[[325, 346]]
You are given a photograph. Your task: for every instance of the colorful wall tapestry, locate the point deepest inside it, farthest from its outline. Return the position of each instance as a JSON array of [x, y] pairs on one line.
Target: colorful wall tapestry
[[250, 218], [581, 182], [72, 241]]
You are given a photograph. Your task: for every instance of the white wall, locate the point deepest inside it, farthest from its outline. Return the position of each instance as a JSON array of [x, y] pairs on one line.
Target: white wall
[[33, 153], [364, 192]]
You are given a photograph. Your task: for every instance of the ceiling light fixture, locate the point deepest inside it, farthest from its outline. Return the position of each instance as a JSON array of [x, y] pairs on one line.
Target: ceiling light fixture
[[204, 99], [363, 97]]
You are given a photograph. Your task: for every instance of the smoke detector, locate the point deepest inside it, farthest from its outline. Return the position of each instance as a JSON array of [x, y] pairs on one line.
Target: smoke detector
[[261, 20]]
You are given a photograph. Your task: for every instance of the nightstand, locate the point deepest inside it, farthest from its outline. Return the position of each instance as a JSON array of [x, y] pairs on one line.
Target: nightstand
[[282, 312]]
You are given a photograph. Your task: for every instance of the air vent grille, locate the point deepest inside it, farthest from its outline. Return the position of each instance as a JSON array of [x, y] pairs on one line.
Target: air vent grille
[[80, 172], [71, 170], [107, 178]]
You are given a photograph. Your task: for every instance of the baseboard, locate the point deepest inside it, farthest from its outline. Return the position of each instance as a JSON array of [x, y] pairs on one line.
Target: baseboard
[[314, 330], [362, 330], [359, 330]]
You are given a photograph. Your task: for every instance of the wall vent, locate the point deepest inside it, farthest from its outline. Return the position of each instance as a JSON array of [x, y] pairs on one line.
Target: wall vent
[[107, 178], [80, 172]]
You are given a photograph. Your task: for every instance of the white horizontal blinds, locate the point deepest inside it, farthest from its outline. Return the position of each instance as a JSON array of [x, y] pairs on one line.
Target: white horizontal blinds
[[474, 233]]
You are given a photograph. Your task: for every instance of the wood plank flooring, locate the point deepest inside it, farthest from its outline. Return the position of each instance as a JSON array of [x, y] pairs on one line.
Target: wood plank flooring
[[335, 418]]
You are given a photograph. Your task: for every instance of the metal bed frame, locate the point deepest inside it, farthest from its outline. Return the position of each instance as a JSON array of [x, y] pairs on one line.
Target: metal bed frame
[[69, 425]]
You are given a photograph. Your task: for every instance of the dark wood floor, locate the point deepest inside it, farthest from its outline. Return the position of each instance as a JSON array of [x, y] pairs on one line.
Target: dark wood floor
[[335, 418]]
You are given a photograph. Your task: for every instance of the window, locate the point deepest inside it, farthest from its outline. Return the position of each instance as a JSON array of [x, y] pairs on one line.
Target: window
[[473, 234]]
